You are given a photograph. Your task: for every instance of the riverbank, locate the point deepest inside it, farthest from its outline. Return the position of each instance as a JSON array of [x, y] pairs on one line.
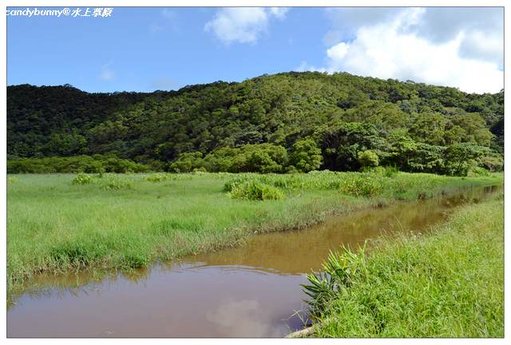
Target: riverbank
[[448, 283], [62, 223]]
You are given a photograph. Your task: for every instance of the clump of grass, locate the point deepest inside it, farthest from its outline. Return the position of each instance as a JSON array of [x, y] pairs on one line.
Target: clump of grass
[[82, 178], [478, 171], [255, 190], [115, 183], [72, 254], [177, 224], [134, 260], [362, 185], [229, 185], [11, 179], [158, 177], [383, 171], [448, 283]]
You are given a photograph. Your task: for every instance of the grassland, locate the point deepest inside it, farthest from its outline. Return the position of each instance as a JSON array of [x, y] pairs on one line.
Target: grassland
[[60, 223], [449, 283]]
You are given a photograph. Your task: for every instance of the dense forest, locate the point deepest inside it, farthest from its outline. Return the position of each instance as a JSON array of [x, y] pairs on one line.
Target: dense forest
[[273, 123]]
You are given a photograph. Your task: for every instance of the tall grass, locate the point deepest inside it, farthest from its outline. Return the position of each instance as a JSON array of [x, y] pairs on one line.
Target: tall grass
[[448, 283], [108, 221]]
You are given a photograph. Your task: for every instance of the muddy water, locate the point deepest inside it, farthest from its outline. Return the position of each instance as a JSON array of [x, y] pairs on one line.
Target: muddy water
[[250, 291]]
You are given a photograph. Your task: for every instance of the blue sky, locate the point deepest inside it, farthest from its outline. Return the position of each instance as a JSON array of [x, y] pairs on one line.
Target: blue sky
[[146, 49]]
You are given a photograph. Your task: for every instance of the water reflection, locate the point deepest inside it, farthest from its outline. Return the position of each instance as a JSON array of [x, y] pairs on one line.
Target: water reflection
[[207, 301]]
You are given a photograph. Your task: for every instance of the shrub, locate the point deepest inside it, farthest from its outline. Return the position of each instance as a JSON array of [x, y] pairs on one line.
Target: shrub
[[187, 162], [263, 158], [75, 164]]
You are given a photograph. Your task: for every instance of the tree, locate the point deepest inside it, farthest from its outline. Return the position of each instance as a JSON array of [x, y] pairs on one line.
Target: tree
[[429, 128], [368, 159], [265, 158], [340, 146], [306, 155], [66, 144], [459, 158]]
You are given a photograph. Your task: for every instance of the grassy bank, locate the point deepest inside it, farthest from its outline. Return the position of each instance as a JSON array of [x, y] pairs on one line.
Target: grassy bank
[[449, 283], [60, 223]]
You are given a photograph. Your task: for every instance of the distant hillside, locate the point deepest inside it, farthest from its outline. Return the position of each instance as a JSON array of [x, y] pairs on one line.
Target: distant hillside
[[300, 121]]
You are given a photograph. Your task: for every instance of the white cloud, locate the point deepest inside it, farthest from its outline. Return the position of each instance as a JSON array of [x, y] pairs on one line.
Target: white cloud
[[279, 12], [338, 51], [106, 72], [243, 24], [393, 45]]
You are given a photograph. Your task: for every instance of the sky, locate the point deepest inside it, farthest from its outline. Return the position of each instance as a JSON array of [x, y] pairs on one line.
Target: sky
[[148, 49]]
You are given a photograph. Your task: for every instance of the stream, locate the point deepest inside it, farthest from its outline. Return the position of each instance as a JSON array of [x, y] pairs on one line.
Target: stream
[[249, 291]]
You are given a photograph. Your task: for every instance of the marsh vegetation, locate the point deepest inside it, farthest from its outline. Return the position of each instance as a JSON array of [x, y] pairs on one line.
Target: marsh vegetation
[[61, 223]]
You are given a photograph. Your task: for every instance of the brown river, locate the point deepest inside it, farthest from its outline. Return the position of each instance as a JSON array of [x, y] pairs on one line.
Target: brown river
[[250, 291]]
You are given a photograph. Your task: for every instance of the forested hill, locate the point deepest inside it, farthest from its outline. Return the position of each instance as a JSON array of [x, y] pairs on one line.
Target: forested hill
[[272, 123]]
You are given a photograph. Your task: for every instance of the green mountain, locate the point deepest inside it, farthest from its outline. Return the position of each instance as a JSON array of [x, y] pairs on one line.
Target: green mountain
[[272, 123]]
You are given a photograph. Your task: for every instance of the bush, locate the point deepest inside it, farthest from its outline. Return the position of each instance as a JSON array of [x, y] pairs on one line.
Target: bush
[[187, 162], [74, 164], [263, 158]]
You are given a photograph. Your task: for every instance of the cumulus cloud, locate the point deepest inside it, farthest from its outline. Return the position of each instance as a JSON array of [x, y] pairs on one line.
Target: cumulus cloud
[[239, 318], [409, 44], [243, 24]]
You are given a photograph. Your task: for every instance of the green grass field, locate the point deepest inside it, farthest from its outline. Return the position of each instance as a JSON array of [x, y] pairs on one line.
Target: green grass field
[[60, 223], [449, 283]]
